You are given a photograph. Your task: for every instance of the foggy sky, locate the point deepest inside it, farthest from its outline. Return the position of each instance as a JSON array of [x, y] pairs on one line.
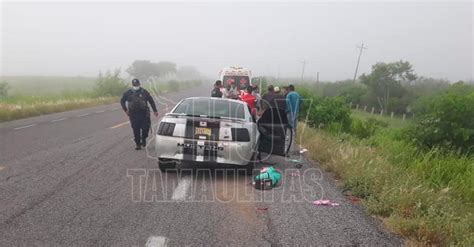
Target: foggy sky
[[270, 38]]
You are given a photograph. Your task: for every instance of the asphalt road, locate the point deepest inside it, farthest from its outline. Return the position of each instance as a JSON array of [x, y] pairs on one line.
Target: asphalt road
[[73, 178]]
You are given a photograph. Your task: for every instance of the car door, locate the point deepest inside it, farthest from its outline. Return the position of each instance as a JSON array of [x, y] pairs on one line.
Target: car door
[[276, 134]]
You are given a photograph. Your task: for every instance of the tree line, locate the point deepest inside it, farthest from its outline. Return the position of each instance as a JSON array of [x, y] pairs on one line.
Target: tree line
[[149, 73], [444, 110]]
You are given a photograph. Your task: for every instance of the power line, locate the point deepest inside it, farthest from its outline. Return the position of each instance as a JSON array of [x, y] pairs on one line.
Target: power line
[[361, 48]]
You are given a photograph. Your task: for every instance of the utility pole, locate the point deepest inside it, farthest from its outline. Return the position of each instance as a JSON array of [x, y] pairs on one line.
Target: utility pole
[[302, 71], [317, 83], [278, 77], [361, 47]]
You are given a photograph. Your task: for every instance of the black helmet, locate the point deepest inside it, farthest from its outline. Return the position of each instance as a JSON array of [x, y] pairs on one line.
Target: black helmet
[[135, 82]]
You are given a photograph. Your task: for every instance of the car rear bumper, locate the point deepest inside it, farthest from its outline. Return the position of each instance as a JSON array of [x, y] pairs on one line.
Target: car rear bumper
[[204, 151]]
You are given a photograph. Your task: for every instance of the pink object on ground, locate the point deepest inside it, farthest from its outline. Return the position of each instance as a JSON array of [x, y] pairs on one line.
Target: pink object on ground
[[325, 203]]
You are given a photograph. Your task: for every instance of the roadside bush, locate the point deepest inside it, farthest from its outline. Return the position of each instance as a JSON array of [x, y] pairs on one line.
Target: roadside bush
[[447, 121], [354, 94], [173, 85], [325, 111], [330, 110], [195, 83], [4, 87], [110, 84], [309, 101], [366, 128]]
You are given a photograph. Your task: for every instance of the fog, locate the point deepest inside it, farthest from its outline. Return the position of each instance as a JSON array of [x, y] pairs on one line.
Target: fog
[[270, 38]]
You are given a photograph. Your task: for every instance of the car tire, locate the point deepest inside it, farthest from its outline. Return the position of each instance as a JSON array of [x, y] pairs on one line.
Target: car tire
[[166, 165]]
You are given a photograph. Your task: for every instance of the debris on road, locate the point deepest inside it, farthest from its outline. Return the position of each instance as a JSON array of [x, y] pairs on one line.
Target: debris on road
[[348, 194], [304, 150], [262, 208], [295, 174], [295, 161], [268, 178], [353, 199], [299, 166], [325, 203]]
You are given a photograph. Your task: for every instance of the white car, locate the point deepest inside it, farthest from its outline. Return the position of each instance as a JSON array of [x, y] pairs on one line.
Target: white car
[[205, 130]]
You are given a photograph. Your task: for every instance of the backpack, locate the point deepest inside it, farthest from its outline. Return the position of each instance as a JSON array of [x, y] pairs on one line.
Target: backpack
[[216, 92], [137, 101]]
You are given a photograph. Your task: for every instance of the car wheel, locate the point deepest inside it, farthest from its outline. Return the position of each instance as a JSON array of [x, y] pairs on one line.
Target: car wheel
[[166, 165]]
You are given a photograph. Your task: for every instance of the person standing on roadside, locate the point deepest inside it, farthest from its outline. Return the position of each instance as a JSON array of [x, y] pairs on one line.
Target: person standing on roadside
[[234, 91], [256, 93], [284, 91], [268, 98], [293, 101], [135, 104], [216, 91], [250, 99], [280, 100]]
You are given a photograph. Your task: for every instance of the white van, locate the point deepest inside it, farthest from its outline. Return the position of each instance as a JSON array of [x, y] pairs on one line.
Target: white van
[[239, 76]]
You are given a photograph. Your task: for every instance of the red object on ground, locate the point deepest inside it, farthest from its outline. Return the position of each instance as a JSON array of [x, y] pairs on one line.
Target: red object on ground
[[353, 199]]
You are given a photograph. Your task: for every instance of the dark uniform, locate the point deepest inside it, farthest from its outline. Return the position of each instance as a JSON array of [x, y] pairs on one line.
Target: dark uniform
[[139, 112], [274, 100]]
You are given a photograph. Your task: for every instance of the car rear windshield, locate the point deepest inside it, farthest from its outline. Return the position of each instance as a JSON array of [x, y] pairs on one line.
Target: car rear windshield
[[211, 108]]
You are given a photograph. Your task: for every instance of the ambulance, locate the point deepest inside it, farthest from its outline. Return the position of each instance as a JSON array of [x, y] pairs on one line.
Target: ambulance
[[239, 76]]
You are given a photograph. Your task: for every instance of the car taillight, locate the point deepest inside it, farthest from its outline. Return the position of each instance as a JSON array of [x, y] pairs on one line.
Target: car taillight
[[166, 129], [240, 134]]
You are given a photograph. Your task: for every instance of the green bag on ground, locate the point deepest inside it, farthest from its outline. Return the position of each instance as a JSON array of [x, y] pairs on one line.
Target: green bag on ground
[[267, 178]]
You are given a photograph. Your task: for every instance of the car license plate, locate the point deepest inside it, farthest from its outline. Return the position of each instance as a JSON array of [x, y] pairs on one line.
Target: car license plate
[[203, 131]]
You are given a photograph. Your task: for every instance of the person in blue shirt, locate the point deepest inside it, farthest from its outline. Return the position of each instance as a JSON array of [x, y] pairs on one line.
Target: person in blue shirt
[[293, 102]]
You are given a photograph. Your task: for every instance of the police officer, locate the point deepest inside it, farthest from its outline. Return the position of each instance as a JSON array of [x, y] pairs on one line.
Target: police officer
[[217, 90], [135, 104]]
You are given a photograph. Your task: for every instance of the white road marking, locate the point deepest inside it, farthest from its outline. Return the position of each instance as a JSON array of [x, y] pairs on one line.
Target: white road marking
[[24, 127], [57, 120], [83, 115], [179, 193], [156, 241], [99, 112], [119, 125]]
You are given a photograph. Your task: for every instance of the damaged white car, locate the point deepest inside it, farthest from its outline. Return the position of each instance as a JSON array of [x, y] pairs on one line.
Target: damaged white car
[[204, 130]]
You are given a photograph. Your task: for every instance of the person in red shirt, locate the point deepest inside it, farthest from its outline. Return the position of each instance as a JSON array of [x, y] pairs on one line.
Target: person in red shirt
[[250, 99]]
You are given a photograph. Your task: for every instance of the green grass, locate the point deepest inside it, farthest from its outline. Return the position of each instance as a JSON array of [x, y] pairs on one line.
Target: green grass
[[428, 197], [37, 95], [395, 122], [47, 85], [28, 106]]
